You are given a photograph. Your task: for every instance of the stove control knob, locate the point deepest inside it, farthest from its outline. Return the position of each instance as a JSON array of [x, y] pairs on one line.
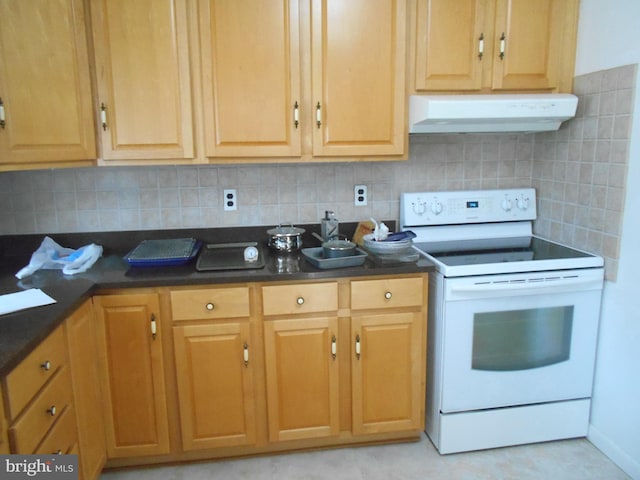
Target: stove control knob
[[506, 205], [419, 208], [523, 203], [436, 207]]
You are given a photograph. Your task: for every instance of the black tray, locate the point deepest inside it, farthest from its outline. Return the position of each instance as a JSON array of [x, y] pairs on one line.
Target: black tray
[[228, 256]]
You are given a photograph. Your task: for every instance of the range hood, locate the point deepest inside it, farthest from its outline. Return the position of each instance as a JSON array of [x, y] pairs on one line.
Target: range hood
[[490, 113]]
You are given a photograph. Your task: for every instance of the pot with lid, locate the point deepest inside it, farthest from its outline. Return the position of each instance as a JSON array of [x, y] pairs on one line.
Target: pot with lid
[[338, 247], [285, 238]]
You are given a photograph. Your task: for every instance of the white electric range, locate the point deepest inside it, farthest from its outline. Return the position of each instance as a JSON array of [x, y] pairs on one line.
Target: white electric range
[[513, 321]]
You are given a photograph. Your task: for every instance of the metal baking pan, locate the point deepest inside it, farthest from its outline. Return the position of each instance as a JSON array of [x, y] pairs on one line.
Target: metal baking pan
[[158, 253], [228, 256], [315, 256]]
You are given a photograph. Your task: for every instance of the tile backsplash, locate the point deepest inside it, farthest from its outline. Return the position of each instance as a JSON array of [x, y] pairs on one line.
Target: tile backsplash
[[579, 172]]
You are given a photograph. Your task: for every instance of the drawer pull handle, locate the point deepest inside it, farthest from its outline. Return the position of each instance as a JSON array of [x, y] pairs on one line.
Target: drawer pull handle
[[52, 411], [334, 347], [154, 327], [59, 452], [318, 115], [300, 300], [245, 354], [210, 306], [296, 115], [358, 347], [46, 366], [2, 117], [388, 295], [103, 116]]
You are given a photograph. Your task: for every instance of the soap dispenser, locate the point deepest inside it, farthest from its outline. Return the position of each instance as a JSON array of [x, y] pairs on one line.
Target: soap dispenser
[[329, 225]]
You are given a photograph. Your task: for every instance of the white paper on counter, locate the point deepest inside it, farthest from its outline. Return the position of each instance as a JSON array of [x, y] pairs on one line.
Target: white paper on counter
[[14, 302]]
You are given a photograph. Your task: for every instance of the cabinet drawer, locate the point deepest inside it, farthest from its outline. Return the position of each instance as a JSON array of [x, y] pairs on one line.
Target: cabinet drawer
[[210, 303], [62, 438], [37, 419], [33, 372], [387, 293], [303, 298]]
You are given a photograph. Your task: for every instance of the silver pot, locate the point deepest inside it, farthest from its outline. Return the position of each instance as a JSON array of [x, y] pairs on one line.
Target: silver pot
[[338, 248], [285, 238]]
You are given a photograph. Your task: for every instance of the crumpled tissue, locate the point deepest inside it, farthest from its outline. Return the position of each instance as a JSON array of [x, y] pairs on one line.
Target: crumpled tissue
[[51, 256]]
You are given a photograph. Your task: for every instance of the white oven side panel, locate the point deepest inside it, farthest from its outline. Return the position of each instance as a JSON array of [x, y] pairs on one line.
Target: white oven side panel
[[464, 388]]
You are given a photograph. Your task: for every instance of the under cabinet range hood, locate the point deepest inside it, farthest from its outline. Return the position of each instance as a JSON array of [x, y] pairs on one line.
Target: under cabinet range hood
[[490, 113]]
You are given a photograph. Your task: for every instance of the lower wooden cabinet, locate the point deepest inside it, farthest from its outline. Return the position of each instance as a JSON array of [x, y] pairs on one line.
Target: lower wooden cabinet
[[4, 435], [302, 374], [252, 368], [387, 372], [132, 374], [388, 333], [39, 400], [214, 365], [81, 340]]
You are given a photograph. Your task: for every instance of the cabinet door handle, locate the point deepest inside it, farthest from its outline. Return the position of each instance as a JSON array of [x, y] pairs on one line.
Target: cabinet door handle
[[318, 115], [245, 354], [296, 115], [154, 327], [503, 41], [2, 123], [334, 347], [46, 366], [103, 116], [52, 411], [481, 46], [358, 347]]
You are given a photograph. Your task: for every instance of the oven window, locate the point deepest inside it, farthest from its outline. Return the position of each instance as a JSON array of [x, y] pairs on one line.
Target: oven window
[[521, 339]]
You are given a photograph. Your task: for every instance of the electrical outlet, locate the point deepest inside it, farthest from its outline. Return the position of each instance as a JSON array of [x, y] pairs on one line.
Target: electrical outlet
[[360, 195], [230, 199]]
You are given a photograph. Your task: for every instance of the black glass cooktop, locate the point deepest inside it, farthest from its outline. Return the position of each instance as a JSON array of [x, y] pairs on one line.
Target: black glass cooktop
[[484, 251]]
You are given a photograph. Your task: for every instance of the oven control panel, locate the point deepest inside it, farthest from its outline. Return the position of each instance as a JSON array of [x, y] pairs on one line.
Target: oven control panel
[[463, 207]]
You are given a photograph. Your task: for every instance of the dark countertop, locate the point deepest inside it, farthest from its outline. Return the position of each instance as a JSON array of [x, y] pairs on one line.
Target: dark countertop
[[21, 332]]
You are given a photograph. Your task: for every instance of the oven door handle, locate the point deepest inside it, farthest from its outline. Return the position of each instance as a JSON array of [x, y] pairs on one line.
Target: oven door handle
[[535, 285]]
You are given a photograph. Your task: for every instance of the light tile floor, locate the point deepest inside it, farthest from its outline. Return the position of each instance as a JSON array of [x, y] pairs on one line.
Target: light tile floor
[[562, 460]]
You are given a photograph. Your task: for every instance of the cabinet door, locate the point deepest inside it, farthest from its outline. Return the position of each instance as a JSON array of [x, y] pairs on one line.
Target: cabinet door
[[302, 378], [214, 370], [132, 375], [142, 69], [4, 437], [450, 41], [528, 43], [251, 77], [81, 338], [387, 381], [358, 77], [45, 87]]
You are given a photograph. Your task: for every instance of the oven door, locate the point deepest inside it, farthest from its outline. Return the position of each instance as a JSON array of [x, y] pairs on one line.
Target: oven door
[[519, 339]]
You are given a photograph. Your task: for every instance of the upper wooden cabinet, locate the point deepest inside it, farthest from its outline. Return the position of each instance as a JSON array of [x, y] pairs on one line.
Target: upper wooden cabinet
[[142, 69], [495, 45], [358, 77], [45, 88], [299, 78], [251, 77]]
